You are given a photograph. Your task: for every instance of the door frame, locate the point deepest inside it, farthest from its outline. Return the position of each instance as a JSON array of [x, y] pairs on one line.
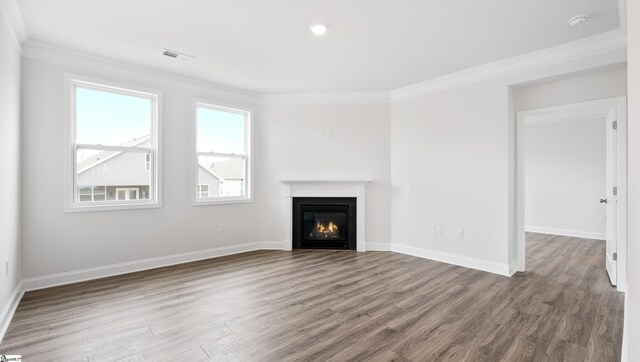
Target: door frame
[[568, 112]]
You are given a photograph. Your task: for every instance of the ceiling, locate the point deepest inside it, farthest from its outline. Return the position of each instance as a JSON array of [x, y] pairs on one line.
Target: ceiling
[[266, 46]]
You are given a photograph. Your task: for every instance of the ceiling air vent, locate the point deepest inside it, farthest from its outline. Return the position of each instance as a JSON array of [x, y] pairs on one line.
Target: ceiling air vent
[[177, 55]]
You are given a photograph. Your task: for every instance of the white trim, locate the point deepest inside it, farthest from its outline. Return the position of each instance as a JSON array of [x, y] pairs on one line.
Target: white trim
[[573, 111], [247, 112], [81, 275], [278, 99], [378, 247], [569, 112], [10, 308], [579, 49], [325, 188], [71, 81], [576, 50], [107, 67], [467, 262], [565, 232], [15, 23], [271, 245]]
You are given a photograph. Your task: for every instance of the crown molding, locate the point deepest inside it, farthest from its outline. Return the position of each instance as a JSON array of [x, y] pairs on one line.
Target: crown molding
[[598, 108], [12, 15], [325, 98], [74, 59], [579, 49], [599, 44]]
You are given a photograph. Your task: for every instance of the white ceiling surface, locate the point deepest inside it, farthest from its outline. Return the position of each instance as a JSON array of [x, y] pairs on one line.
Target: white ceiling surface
[[265, 46]]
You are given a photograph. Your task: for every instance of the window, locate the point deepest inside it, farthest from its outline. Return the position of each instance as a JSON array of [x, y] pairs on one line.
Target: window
[[114, 133], [222, 155], [203, 190], [92, 193]]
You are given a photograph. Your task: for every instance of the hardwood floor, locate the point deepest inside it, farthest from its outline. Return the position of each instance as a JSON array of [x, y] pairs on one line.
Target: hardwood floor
[[333, 306]]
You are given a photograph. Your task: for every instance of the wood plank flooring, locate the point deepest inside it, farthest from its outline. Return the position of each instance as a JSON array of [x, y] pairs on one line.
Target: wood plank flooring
[[311, 305]]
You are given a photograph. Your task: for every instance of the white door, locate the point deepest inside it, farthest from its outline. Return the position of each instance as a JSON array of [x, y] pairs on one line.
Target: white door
[[127, 193], [611, 200]]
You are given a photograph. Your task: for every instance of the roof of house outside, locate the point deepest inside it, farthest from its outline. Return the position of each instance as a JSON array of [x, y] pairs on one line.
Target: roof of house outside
[[230, 169], [104, 156]]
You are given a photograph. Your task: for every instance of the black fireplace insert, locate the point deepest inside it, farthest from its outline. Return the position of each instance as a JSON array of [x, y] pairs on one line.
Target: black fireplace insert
[[324, 223]]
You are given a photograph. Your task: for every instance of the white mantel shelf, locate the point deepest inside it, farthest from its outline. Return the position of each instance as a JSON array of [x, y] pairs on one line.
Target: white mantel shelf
[[325, 188]]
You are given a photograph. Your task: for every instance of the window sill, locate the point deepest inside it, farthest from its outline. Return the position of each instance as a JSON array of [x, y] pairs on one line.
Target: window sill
[[222, 201], [113, 207]]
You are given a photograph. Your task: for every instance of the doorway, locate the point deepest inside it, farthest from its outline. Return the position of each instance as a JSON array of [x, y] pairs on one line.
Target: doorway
[[613, 110], [127, 193]]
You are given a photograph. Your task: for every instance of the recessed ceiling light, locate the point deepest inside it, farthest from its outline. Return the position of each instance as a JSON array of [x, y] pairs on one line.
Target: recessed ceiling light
[[578, 20], [177, 55], [318, 29]]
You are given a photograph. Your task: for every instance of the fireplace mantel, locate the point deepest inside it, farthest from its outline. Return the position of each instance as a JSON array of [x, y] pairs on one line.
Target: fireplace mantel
[[324, 188]]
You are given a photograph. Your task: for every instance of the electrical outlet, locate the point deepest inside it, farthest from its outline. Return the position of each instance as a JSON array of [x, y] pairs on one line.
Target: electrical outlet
[[326, 132], [460, 233], [221, 228], [439, 231], [410, 188]]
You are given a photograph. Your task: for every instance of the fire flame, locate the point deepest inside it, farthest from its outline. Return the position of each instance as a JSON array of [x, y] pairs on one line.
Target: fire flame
[[325, 232], [330, 229]]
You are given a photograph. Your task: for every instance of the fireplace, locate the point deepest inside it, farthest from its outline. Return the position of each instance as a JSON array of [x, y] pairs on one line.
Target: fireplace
[[324, 223]]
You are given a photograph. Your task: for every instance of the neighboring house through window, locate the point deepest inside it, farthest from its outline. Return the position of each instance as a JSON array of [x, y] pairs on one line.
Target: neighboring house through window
[[222, 154], [114, 134]]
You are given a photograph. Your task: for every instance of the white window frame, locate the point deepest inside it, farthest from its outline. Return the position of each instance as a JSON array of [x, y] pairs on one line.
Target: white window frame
[[248, 182], [72, 204]]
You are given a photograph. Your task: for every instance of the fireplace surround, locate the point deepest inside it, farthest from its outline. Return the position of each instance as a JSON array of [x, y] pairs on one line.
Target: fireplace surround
[[320, 189]]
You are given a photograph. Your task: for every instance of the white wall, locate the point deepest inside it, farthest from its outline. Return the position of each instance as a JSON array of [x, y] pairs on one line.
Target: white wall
[[290, 147], [56, 242], [9, 165], [286, 144], [456, 147], [455, 160], [565, 177], [631, 347]]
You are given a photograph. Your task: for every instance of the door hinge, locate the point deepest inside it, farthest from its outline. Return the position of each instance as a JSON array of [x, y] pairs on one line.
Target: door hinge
[[615, 190], [615, 256], [615, 124]]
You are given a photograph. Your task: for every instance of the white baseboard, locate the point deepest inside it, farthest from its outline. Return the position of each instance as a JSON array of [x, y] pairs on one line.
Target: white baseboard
[[473, 263], [378, 247], [566, 232], [514, 267], [10, 309], [133, 266], [272, 245]]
